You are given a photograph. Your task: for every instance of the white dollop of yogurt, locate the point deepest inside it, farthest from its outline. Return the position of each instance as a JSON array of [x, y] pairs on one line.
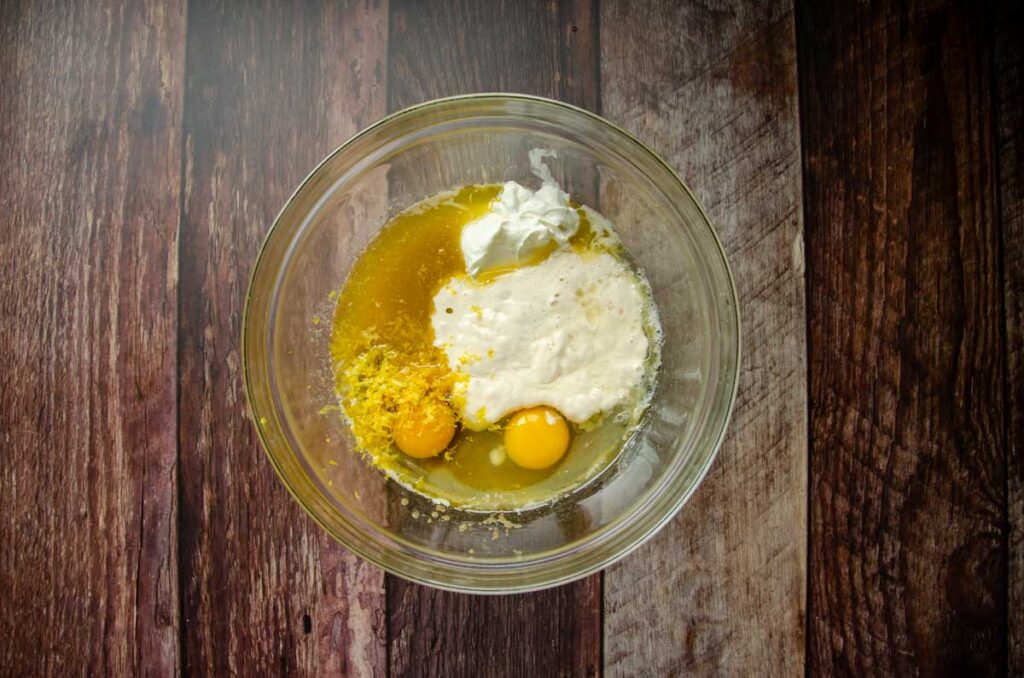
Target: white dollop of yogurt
[[520, 223]]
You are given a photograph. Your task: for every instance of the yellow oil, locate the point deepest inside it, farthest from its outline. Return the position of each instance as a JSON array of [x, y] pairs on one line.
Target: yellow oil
[[388, 300], [392, 284]]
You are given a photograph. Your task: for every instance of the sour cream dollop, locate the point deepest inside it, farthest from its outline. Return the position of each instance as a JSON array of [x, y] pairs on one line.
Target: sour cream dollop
[[520, 224]]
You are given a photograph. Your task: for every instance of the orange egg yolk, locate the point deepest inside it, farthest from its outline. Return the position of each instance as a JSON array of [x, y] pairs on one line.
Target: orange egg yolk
[[421, 435], [536, 438]]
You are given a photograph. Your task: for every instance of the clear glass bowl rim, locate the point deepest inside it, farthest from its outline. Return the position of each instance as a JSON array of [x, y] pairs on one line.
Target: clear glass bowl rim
[[588, 566]]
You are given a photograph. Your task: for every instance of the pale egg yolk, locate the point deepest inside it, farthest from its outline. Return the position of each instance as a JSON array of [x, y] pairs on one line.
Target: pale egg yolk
[[536, 438], [421, 436]]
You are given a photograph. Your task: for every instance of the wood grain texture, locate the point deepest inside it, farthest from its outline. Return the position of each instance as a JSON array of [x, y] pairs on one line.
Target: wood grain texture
[[271, 88], [90, 138], [548, 633], [142, 161], [1008, 79], [452, 47], [908, 510], [720, 590]]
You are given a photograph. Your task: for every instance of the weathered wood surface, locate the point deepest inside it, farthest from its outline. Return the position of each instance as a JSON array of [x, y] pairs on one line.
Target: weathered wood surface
[[90, 137], [1008, 80], [271, 88], [145, 148], [720, 591], [908, 512], [451, 47]]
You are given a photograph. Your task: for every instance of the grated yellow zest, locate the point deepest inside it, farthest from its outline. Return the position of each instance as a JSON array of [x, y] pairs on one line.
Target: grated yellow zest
[[383, 384]]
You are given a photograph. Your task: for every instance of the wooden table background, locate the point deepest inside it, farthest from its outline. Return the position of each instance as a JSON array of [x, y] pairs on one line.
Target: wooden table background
[[862, 162]]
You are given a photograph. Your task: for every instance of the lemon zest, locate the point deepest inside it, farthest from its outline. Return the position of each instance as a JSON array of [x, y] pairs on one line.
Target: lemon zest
[[383, 384]]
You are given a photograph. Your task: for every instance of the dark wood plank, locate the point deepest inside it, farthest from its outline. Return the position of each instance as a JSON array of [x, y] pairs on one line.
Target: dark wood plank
[[721, 590], [271, 88], [438, 49], [90, 139], [460, 46], [1008, 80], [908, 512], [549, 633]]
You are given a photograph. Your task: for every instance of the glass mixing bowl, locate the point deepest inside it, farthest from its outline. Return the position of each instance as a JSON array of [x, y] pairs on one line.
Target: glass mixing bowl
[[324, 226]]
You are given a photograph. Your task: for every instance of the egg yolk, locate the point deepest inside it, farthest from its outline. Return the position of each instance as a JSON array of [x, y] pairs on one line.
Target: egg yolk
[[536, 438], [422, 436]]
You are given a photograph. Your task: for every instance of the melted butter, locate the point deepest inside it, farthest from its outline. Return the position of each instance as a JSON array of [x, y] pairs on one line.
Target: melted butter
[[391, 286]]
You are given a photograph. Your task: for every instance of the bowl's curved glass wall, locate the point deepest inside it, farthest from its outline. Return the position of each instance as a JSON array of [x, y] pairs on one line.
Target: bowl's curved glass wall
[[330, 219]]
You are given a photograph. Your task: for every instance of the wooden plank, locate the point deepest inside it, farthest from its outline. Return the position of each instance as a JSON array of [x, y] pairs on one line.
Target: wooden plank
[[90, 138], [721, 589], [1008, 80], [439, 49], [547, 633], [908, 513], [271, 88]]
